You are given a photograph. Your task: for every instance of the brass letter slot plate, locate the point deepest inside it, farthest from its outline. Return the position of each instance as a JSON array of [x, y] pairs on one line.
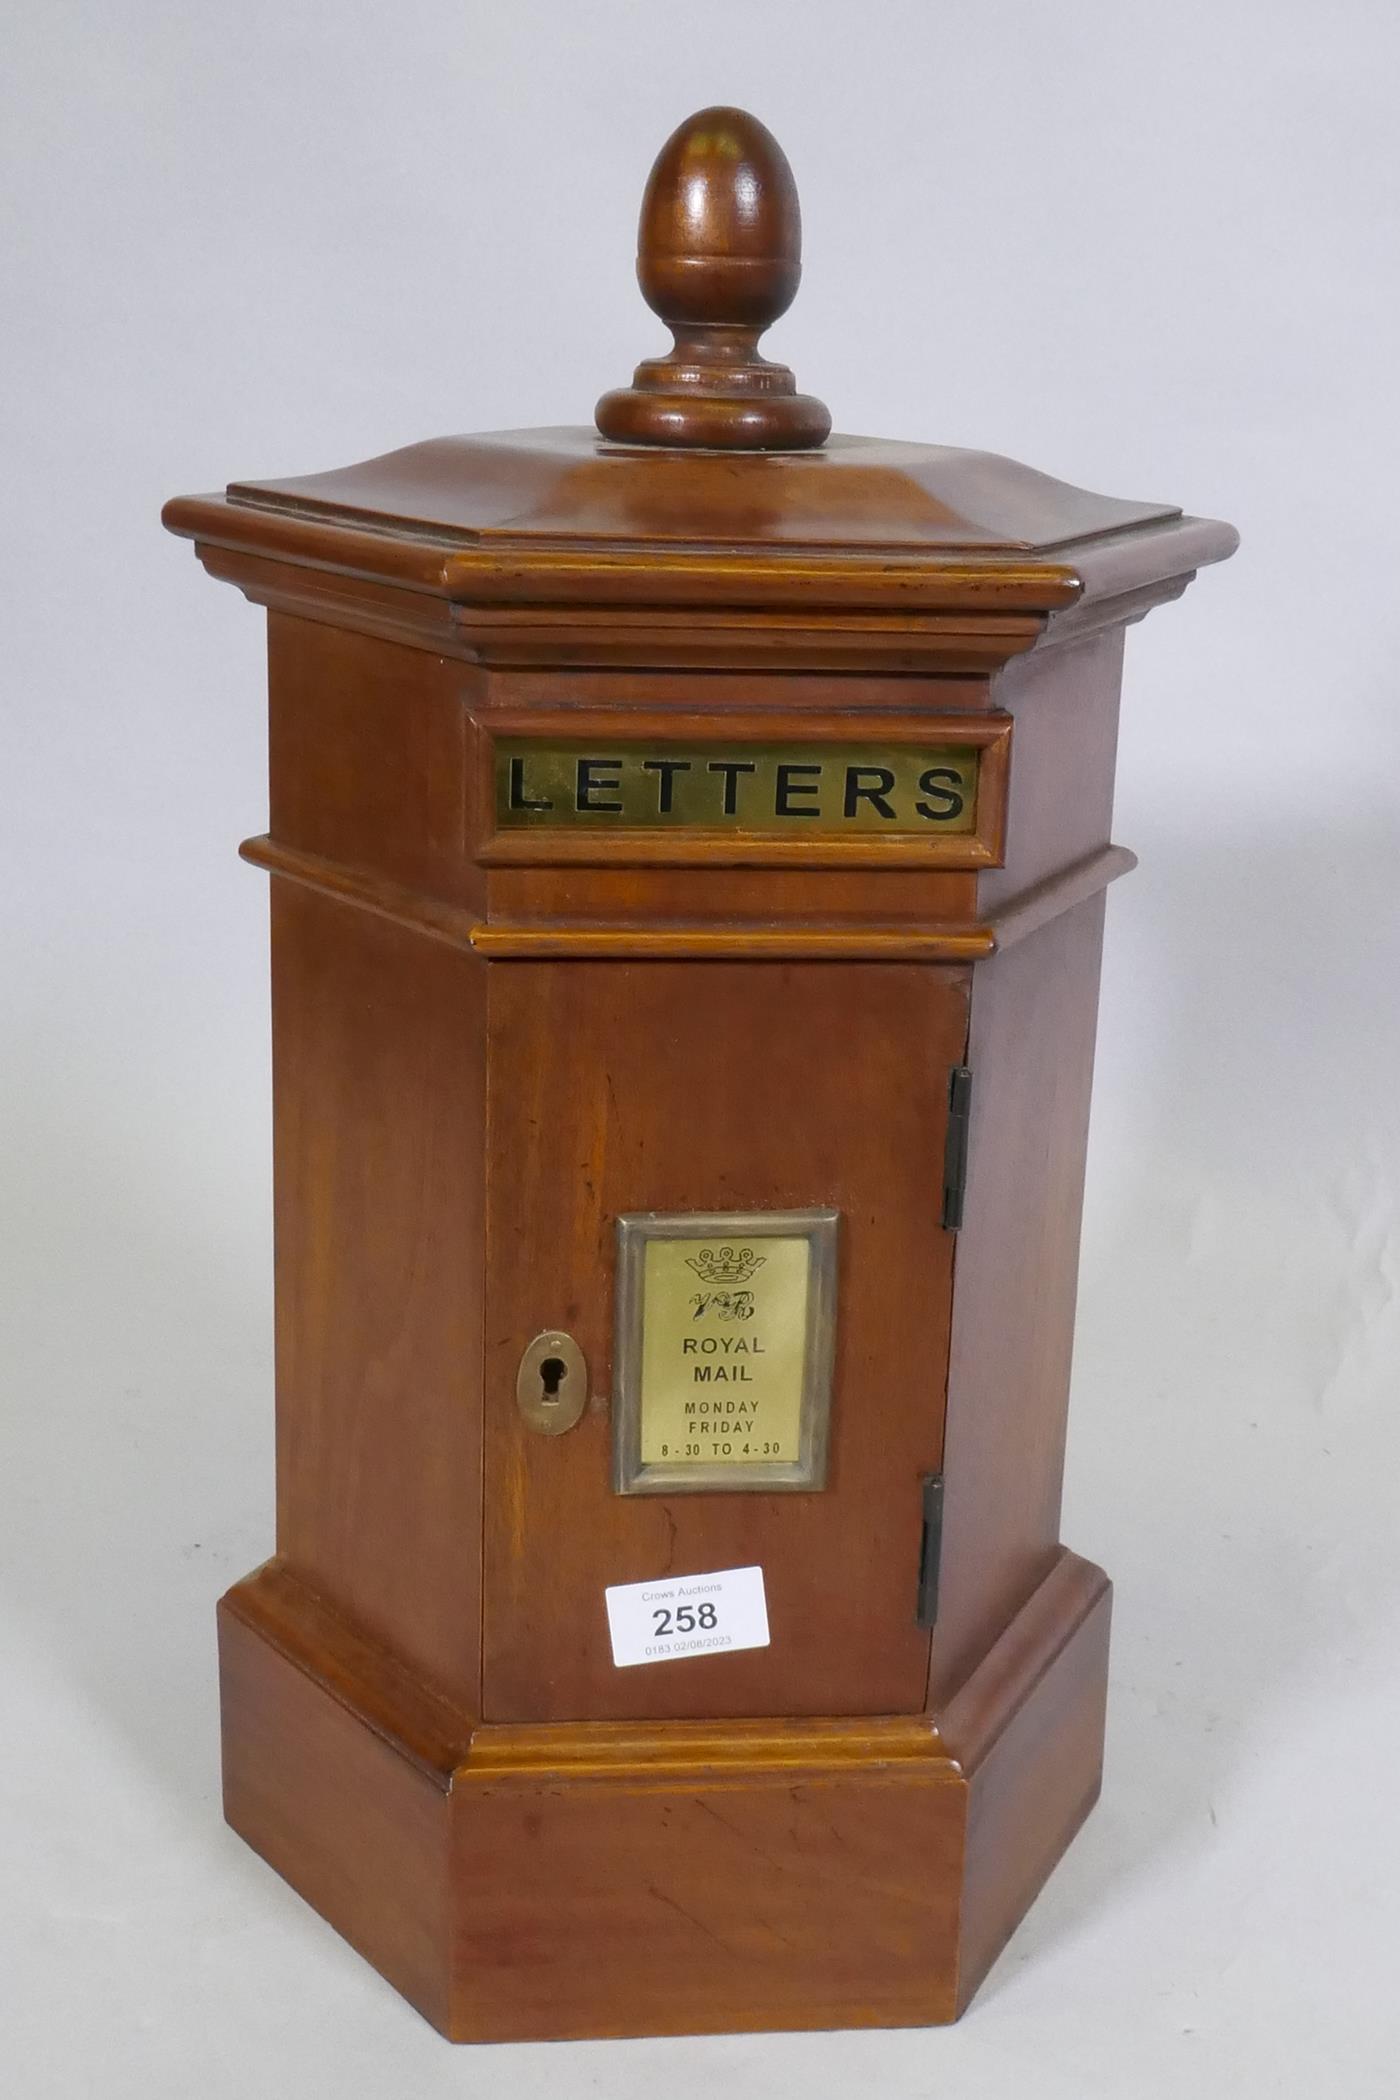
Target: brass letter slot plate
[[724, 1351], [901, 789], [910, 790]]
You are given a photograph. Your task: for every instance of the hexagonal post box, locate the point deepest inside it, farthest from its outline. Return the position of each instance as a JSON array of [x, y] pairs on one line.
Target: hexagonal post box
[[689, 841]]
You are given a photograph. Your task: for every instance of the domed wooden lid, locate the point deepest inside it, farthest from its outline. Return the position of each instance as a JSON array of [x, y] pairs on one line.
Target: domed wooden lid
[[712, 484], [719, 258]]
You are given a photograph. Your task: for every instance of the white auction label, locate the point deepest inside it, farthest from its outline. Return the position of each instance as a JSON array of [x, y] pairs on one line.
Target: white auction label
[[652, 1622]]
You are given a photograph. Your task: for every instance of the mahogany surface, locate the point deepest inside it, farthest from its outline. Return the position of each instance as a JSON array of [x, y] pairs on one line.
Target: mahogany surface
[[719, 258], [619, 1087], [489, 1043], [612, 1879]]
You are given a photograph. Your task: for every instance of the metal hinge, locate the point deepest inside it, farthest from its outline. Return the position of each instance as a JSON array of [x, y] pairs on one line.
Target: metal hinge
[[955, 1146], [930, 1549]]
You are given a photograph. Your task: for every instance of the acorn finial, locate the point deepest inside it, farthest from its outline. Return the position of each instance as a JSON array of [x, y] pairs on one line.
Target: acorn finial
[[719, 257]]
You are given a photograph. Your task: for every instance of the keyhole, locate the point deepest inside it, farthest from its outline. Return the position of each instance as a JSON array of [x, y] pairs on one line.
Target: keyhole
[[551, 1385]]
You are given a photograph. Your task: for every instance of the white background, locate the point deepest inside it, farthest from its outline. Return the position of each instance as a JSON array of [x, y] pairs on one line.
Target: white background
[[1149, 247]]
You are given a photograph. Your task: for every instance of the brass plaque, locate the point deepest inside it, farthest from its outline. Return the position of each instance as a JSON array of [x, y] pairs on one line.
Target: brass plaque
[[833, 789], [724, 1350]]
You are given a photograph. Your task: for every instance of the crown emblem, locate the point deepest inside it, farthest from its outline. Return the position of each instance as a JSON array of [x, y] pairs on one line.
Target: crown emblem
[[726, 1264]]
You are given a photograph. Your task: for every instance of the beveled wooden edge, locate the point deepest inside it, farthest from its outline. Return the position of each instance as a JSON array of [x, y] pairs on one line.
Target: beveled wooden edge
[[392, 612], [1150, 555], [370, 584], [451, 1747], [502, 571], [505, 939], [982, 847], [1043, 901], [500, 940], [945, 1748], [558, 638], [695, 1750], [963, 851], [1093, 615], [412, 1717], [461, 927], [546, 583], [904, 645], [564, 638], [781, 578], [968, 942], [979, 1712], [456, 924]]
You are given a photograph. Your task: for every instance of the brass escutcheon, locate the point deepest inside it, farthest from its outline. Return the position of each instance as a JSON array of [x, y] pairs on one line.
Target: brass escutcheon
[[551, 1386]]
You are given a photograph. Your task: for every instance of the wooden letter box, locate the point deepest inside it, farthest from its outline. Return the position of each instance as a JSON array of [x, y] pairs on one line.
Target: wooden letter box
[[689, 841]]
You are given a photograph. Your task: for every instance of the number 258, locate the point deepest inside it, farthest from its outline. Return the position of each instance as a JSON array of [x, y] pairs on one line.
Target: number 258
[[685, 1620]]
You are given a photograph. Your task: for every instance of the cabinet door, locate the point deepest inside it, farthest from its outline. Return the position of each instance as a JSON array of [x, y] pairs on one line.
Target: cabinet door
[[622, 1087]]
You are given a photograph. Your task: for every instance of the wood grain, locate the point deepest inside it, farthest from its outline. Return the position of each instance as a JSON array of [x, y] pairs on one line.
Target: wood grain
[[359, 1831], [1034, 1765], [1064, 707], [755, 1903], [776, 1874], [616, 1088], [487, 1048], [719, 256], [1031, 1049], [378, 1062], [548, 543]]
